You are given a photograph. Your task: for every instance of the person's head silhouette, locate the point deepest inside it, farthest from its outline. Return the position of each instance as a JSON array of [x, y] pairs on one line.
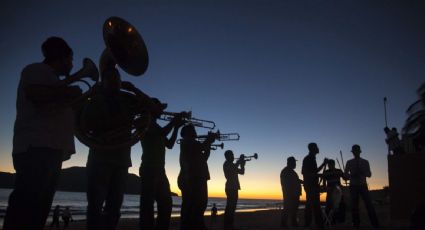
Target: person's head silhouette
[[159, 107], [356, 150], [188, 132], [228, 154], [58, 55], [331, 164], [312, 148], [291, 162]]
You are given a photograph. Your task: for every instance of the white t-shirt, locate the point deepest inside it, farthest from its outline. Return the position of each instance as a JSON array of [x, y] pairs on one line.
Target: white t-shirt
[[50, 125]]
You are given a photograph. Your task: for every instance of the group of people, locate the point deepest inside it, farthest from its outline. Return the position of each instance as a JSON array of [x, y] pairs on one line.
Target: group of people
[[65, 214], [356, 171], [44, 138]]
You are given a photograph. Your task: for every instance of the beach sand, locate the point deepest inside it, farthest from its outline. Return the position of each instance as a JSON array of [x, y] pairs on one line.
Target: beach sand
[[267, 220]]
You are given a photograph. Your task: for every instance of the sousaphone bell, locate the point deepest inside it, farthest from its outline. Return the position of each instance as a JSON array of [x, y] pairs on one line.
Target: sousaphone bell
[[124, 48]]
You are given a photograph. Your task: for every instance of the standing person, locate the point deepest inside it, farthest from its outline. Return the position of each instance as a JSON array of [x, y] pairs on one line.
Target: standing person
[[55, 217], [310, 173], [291, 190], [107, 168], [214, 213], [332, 176], [154, 182], [231, 171], [66, 217], [193, 178], [356, 170], [43, 135]]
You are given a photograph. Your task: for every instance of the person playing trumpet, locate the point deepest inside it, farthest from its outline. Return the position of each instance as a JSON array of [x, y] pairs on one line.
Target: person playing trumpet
[[231, 171], [43, 135], [193, 177], [154, 182]]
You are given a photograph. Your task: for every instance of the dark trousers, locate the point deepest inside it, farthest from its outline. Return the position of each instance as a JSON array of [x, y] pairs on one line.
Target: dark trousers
[[362, 191], [105, 192], [55, 222], [290, 210], [194, 204], [231, 202], [154, 187], [37, 174], [312, 206]]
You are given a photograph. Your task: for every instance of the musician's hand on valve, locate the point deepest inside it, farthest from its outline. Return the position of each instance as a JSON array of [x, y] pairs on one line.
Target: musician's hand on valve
[[178, 120], [211, 137], [243, 162]]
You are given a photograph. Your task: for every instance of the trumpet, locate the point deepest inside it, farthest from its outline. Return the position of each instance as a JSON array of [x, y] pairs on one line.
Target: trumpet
[[247, 158], [216, 146], [221, 136], [187, 117]]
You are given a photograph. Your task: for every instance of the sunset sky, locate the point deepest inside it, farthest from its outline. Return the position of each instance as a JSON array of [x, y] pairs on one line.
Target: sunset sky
[[280, 73]]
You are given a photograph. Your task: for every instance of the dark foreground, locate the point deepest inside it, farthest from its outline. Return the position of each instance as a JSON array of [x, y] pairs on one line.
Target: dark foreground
[[266, 220]]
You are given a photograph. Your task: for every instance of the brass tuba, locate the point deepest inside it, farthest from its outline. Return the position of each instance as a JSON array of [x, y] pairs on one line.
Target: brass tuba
[[124, 48]]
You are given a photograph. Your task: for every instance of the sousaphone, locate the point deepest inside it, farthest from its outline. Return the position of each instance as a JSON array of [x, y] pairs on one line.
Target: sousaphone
[[126, 49]]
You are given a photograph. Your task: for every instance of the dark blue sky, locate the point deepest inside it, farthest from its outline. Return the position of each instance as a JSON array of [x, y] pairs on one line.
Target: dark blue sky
[[281, 73]]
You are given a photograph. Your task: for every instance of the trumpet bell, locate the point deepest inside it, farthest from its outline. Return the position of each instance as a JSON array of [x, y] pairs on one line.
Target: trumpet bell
[[125, 45]]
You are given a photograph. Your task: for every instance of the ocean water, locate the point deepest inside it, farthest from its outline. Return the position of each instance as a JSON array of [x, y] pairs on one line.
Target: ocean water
[[130, 208]]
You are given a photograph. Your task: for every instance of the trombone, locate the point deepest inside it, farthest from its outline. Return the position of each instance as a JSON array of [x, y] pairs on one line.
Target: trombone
[[187, 117], [247, 158], [221, 136]]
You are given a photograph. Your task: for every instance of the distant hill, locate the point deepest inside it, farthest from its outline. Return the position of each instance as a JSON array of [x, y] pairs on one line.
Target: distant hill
[[74, 179]]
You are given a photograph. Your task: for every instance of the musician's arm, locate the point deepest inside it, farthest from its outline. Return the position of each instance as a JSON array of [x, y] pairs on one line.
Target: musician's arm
[[169, 142], [42, 94]]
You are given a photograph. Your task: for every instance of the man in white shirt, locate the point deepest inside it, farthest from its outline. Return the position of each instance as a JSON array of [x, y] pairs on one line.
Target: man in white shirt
[[356, 170], [43, 135]]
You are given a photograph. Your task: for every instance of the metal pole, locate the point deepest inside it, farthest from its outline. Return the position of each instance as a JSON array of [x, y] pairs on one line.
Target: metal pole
[[385, 111], [386, 121]]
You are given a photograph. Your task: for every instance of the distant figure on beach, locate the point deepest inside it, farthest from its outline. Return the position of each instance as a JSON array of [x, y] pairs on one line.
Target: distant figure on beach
[[193, 177], [332, 177], [55, 217], [310, 173], [214, 213], [356, 170], [66, 217], [107, 168], [393, 141], [291, 190], [154, 182], [231, 171], [43, 135]]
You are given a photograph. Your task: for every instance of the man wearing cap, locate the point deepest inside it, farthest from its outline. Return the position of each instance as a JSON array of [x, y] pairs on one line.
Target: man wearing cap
[[154, 182], [231, 171], [310, 173], [291, 189], [43, 135], [356, 170]]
